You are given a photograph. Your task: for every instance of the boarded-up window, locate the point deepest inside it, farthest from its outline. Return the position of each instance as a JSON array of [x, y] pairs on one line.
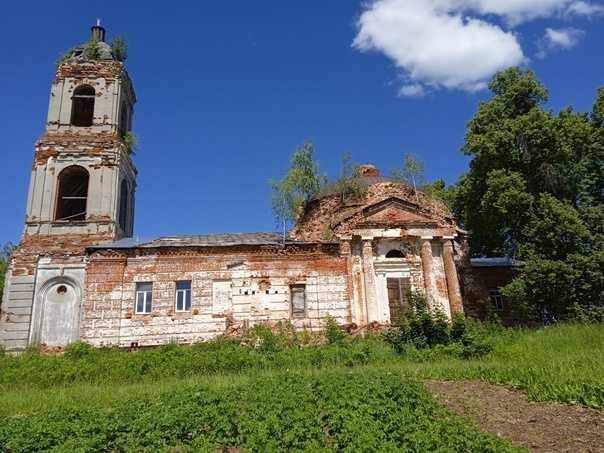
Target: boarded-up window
[[398, 289], [298, 301], [221, 296]]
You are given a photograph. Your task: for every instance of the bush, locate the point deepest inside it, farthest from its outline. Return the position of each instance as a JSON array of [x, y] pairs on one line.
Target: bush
[[423, 327], [332, 331], [552, 290], [79, 350], [119, 48]]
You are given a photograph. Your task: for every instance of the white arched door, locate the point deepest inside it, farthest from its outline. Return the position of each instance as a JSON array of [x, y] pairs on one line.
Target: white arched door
[[59, 320]]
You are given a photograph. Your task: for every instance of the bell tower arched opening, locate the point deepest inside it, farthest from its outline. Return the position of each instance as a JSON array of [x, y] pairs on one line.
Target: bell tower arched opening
[[82, 106], [72, 198]]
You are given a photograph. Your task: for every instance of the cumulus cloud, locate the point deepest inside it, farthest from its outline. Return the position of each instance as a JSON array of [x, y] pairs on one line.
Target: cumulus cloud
[[555, 39], [459, 44], [581, 8], [434, 47]]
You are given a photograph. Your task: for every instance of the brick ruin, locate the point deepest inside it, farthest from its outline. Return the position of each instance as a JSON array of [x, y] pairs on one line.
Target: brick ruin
[[78, 275]]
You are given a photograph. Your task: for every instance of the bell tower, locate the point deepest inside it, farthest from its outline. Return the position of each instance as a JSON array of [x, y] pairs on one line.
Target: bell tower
[[83, 178], [81, 193]]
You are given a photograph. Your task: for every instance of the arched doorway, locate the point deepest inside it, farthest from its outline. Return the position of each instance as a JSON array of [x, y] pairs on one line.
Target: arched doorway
[[58, 312]]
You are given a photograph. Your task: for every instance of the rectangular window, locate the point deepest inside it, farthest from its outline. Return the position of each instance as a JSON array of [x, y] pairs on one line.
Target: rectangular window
[[144, 298], [298, 300], [183, 296], [496, 298]]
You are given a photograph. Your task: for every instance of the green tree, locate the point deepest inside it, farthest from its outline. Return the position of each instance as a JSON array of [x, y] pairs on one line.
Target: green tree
[[350, 182], [301, 182], [535, 190], [555, 231], [514, 142]]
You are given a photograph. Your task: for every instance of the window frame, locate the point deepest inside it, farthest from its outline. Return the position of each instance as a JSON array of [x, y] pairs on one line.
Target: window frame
[[147, 298], [496, 298], [185, 292], [296, 313], [79, 102], [62, 199]]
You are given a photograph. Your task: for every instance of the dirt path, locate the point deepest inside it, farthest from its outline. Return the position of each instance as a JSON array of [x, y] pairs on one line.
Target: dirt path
[[541, 427]]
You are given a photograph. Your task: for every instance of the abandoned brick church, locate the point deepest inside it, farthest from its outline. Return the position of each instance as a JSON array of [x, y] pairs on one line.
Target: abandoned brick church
[[78, 274]]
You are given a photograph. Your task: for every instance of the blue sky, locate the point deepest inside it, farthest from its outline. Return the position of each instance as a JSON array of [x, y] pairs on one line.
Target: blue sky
[[227, 90]]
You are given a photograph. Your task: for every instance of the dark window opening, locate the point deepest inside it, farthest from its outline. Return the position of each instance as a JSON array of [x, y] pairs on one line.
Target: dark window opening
[[395, 254], [82, 106], [123, 215], [124, 126], [73, 194], [496, 298], [298, 301]]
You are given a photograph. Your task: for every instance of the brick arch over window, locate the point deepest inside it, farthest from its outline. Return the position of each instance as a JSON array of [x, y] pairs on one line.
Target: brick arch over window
[[124, 202], [82, 106], [73, 194]]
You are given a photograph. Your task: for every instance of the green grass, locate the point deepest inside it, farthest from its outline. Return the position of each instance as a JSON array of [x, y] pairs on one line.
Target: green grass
[[324, 410], [166, 397], [563, 363]]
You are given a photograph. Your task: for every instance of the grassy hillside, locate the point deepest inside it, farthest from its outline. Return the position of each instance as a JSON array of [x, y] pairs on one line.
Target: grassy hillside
[[345, 396]]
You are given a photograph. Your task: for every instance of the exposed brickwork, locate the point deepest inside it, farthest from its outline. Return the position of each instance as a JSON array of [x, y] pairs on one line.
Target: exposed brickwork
[[260, 279], [329, 214], [477, 281], [109, 70], [105, 145], [65, 247]]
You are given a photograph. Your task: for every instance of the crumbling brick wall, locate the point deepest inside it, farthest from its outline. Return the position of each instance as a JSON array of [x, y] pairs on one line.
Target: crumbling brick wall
[[322, 216], [260, 292]]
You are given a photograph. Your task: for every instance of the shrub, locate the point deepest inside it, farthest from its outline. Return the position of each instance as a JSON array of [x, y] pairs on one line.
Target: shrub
[[119, 48], [130, 142], [423, 327], [262, 338], [92, 50], [332, 331], [79, 350]]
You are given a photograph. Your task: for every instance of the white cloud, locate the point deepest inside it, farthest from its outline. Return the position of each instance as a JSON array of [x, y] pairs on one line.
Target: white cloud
[[435, 47], [458, 44], [581, 8], [555, 39], [517, 11], [413, 90]]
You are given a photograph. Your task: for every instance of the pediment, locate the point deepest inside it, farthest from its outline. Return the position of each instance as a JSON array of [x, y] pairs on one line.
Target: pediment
[[395, 212], [388, 213]]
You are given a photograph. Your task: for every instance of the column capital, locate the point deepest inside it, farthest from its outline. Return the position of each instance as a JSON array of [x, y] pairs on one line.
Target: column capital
[[345, 248]]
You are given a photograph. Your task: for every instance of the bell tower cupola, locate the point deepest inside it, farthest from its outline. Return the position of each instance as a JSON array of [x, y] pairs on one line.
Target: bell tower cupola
[[83, 178]]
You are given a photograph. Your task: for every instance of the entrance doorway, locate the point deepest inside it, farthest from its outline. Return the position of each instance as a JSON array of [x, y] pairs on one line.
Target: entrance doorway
[[398, 288]]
